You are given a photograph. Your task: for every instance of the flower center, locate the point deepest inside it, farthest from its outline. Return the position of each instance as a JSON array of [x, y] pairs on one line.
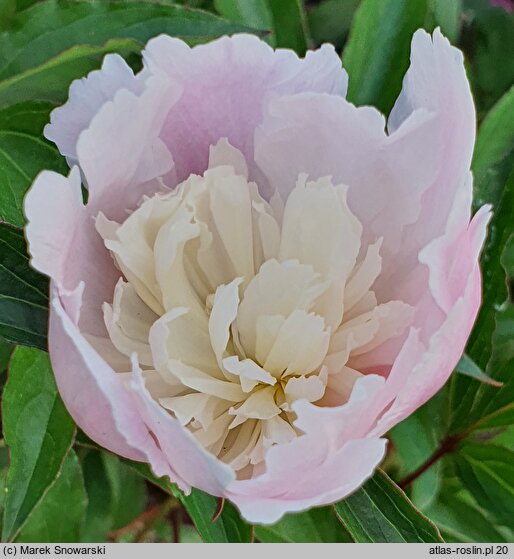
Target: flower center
[[237, 307]]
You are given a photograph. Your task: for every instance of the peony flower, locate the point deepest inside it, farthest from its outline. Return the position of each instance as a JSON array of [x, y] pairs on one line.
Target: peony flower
[[265, 278]]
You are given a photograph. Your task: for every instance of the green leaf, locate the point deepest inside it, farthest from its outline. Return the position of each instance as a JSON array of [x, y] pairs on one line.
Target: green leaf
[[447, 16], [98, 520], [254, 13], [473, 404], [6, 350], [116, 494], [466, 366], [229, 527], [289, 24], [23, 293], [23, 154], [377, 53], [50, 80], [39, 433], [330, 21], [490, 34], [381, 512], [128, 491], [505, 438], [285, 18], [313, 526], [61, 512], [460, 520], [57, 41], [7, 9], [415, 440], [495, 140], [487, 471]]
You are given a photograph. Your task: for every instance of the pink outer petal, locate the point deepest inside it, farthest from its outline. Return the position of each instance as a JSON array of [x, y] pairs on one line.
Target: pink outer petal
[[121, 153], [192, 465], [324, 135], [436, 81], [64, 244], [339, 475], [52, 197], [93, 393], [86, 96], [414, 380], [225, 84], [320, 467]]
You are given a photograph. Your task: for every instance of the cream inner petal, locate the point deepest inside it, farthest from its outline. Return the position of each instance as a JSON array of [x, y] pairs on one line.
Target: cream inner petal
[[237, 307]]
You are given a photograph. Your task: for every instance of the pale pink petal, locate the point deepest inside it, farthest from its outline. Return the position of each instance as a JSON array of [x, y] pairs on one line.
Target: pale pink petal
[[86, 96], [436, 82], [121, 153], [225, 84], [95, 395], [64, 245], [313, 481], [52, 197], [320, 467], [191, 463], [323, 135]]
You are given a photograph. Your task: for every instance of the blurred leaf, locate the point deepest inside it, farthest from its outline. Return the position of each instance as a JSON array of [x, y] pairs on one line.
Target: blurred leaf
[[229, 527], [39, 433], [447, 16], [487, 471], [284, 18], [381, 512], [254, 13], [98, 521], [466, 366], [495, 140], [61, 512], [6, 350], [505, 438], [116, 495], [23, 293], [376, 56], [23, 153], [201, 507], [57, 41], [289, 24], [489, 39], [7, 10], [460, 520], [330, 21], [415, 440], [50, 80], [469, 398], [319, 525], [128, 491]]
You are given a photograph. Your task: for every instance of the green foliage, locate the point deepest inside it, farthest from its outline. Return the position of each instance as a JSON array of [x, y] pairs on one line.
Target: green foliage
[[39, 434], [23, 154], [314, 526], [59, 515], [459, 518], [376, 55], [23, 293], [330, 20], [380, 512], [285, 19], [488, 472]]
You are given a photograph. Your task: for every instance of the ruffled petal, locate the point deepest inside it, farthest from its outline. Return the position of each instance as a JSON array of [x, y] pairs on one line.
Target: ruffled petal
[[225, 84], [85, 98]]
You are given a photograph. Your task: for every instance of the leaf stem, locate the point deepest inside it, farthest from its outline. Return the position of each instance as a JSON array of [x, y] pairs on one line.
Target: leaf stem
[[446, 446]]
